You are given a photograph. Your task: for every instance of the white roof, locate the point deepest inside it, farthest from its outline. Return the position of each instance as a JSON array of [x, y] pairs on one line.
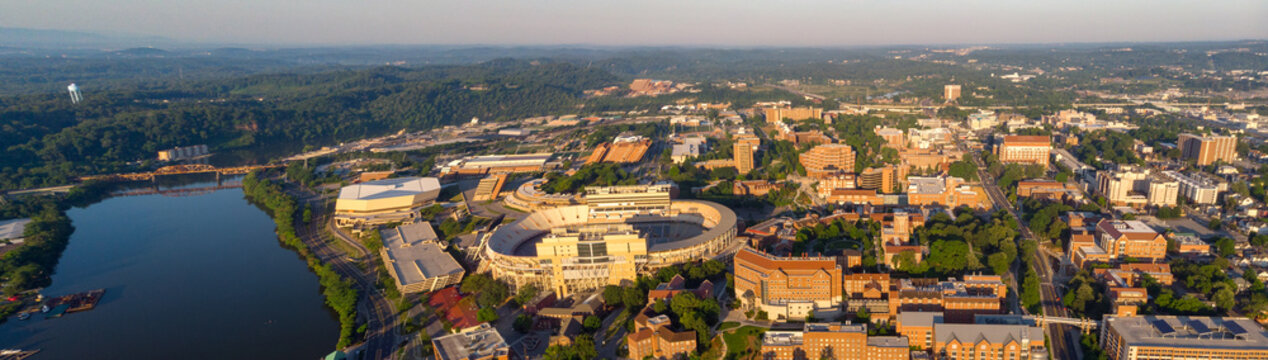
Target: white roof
[[389, 188], [12, 228]]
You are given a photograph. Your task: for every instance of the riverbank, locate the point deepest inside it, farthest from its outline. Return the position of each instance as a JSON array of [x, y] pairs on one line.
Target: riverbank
[[340, 295], [28, 267]]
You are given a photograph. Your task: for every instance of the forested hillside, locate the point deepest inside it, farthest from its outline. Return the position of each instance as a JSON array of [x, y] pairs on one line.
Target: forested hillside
[[47, 140]]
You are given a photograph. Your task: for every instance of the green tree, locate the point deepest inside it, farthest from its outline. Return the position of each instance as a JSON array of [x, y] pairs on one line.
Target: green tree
[[999, 262], [486, 315], [1226, 247], [592, 323]]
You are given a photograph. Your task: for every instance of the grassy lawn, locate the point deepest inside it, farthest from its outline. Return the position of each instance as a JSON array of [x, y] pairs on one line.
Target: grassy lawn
[[743, 342], [728, 325]]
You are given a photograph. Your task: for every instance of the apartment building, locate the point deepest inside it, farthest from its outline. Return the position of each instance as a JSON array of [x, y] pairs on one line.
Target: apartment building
[[1136, 187], [1183, 337], [1197, 189], [1024, 149], [828, 160], [1207, 150]]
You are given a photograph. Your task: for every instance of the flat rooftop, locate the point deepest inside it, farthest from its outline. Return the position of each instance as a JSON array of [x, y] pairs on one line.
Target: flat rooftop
[[1190, 332], [13, 228], [485, 160], [926, 185], [389, 188], [477, 344], [414, 253]]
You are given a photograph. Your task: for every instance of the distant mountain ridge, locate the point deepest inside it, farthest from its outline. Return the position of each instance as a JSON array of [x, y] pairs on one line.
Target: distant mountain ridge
[[47, 38]]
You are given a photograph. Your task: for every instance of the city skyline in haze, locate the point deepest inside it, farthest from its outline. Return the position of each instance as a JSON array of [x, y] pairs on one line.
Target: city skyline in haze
[[650, 23]]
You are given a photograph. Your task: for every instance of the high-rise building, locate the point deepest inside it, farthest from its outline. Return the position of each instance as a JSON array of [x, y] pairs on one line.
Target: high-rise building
[[789, 286], [832, 341], [828, 160], [951, 92], [744, 148], [1023, 149], [1206, 150], [1183, 337]]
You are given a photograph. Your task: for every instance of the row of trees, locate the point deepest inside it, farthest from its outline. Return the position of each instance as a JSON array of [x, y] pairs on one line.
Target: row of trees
[[339, 293]]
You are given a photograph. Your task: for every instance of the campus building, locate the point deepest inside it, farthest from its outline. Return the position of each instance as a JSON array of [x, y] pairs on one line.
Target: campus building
[[416, 260], [384, 201], [958, 300], [1183, 337], [788, 286], [1024, 149], [652, 337], [479, 166], [880, 179], [1207, 150], [1130, 238], [622, 150], [987, 341], [828, 160], [529, 197], [946, 191], [489, 187], [832, 341], [481, 342]]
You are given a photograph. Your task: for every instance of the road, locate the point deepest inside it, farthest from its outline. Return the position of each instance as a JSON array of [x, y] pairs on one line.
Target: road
[[381, 324], [1062, 346]]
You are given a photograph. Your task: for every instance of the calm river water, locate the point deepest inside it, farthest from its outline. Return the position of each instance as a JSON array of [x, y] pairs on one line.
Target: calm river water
[[198, 277]]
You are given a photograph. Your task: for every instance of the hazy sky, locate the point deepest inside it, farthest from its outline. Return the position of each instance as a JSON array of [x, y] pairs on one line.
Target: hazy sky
[[651, 22]]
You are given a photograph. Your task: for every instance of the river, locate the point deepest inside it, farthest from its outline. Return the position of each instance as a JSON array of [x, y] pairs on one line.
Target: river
[[196, 277]]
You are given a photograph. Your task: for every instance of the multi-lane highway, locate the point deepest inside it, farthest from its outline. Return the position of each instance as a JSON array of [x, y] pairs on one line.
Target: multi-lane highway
[[381, 324], [1062, 347]]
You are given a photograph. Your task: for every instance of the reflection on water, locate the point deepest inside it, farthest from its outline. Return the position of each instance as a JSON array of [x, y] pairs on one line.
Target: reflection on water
[[198, 276]]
